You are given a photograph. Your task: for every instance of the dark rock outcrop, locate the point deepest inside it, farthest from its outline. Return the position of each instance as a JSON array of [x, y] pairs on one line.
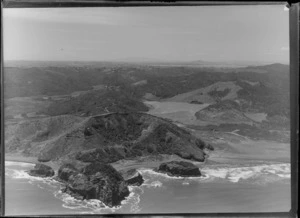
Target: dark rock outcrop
[[66, 171], [179, 168], [95, 181], [41, 170], [203, 145], [133, 178], [43, 158], [210, 147]]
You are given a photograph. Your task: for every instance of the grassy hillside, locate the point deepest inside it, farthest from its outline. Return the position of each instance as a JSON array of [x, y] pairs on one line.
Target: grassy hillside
[[260, 89], [105, 138], [209, 94], [96, 102], [161, 81], [226, 111]]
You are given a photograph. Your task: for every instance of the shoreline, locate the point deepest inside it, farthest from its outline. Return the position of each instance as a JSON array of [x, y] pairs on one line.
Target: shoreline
[[18, 158], [30, 160], [149, 162], [121, 165]]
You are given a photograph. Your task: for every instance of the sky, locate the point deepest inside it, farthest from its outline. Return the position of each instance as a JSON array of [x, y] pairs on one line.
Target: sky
[[189, 33]]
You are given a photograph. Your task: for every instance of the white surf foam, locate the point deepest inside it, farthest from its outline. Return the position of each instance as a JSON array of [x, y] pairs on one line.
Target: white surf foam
[[22, 174], [94, 206], [134, 198], [154, 184], [72, 203], [235, 174], [84, 206], [185, 183], [229, 173]]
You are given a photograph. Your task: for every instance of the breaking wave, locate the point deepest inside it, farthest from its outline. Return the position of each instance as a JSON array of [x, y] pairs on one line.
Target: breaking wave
[[274, 172], [94, 206], [260, 174], [18, 170]]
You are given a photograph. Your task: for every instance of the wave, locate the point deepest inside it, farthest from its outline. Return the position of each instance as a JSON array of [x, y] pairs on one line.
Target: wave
[[154, 184], [94, 206], [185, 183], [134, 198], [239, 174], [22, 174], [232, 174], [261, 174], [19, 170], [84, 206]]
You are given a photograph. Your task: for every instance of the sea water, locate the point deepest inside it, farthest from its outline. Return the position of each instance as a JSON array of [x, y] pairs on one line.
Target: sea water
[[222, 188]]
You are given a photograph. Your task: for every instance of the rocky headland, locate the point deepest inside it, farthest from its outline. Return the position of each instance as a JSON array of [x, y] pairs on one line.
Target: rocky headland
[[87, 149]]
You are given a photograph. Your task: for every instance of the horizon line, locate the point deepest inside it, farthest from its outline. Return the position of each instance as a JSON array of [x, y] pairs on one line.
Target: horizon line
[[158, 61]]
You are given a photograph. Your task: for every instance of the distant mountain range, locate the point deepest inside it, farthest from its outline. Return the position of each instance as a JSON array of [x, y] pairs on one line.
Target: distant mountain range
[[139, 60]]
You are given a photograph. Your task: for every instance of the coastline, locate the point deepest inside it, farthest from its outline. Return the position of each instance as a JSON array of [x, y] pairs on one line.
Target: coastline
[[32, 160], [247, 197], [150, 162], [121, 165], [19, 158]]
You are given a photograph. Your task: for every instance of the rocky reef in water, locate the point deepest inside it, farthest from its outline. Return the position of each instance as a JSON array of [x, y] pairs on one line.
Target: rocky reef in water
[[41, 170], [179, 168]]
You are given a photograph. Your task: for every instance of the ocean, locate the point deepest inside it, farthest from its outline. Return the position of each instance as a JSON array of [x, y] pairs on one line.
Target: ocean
[[263, 187]]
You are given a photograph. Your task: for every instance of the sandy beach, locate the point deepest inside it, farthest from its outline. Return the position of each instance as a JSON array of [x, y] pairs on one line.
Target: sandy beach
[[19, 158]]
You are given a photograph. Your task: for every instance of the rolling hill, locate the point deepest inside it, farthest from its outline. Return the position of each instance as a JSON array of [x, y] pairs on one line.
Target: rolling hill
[[106, 138], [257, 90], [96, 102], [209, 94], [226, 111]]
